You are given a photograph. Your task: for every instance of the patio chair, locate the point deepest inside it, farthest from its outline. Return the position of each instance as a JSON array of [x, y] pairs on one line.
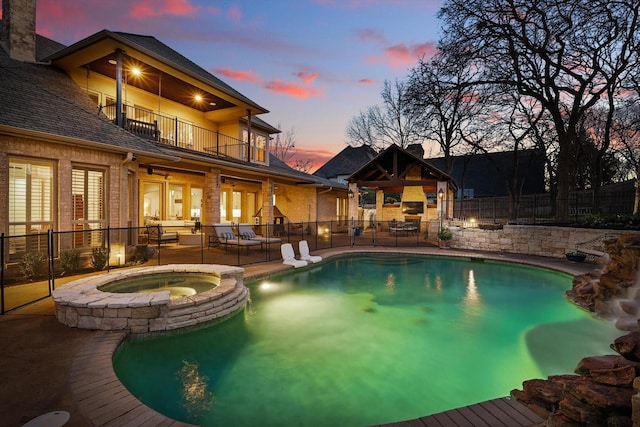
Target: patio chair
[[303, 246], [289, 257], [227, 237], [246, 232]]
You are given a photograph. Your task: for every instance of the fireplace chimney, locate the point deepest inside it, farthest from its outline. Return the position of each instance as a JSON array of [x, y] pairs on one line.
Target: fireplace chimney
[[19, 29], [416, 150]]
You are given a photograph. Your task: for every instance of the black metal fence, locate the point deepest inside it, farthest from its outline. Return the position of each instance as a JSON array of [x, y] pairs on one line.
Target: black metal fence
[[34, 264], [538, 208]]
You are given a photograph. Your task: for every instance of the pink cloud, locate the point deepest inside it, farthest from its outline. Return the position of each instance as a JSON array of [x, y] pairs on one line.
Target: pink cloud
[[277, 86], [292, 89], [366, 82], [248, 76], [402, 55], [307, 78], [147, 8], [317, 158]]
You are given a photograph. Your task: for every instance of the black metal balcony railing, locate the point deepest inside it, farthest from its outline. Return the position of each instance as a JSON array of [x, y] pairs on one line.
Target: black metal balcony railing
[[172, 131]]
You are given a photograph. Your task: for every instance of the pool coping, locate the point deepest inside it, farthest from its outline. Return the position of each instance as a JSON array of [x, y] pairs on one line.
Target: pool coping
[[104, 401]]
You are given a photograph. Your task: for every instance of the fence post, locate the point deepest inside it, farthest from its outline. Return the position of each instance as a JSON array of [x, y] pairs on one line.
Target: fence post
[[175, 131], [51, 266], [331, 234], [2, 244], [108, 248]]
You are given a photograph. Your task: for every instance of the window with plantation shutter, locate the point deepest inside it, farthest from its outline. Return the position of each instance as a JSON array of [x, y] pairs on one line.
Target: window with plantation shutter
[[89, 206], [30, 204]]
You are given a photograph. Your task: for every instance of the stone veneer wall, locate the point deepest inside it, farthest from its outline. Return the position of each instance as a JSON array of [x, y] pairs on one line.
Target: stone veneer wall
[[80, 304], [526, 239]]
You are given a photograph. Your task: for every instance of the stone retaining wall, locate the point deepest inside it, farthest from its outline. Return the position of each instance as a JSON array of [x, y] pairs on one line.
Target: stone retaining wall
[[526, 239], [80, 304]]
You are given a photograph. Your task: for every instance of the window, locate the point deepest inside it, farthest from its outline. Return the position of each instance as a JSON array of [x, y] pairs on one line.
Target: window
[[89, 210], [175, 202], [258, 145], [259, 148], [196, 204], [341, 210], [94, 96], [152, 201], [30, 203], [236, 209], [223, 206]]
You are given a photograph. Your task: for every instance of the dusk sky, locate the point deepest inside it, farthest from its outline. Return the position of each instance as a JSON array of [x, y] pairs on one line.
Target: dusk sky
[[314, 64]]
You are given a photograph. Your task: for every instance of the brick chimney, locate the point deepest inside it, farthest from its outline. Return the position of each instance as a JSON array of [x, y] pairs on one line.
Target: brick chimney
[[416, 150], [19, 29]]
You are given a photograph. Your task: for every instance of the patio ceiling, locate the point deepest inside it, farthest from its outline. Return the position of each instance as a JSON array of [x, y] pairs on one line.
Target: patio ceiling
[[158, 82]]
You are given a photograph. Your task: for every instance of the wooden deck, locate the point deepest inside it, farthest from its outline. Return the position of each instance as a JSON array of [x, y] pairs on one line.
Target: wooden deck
[[502, 412]]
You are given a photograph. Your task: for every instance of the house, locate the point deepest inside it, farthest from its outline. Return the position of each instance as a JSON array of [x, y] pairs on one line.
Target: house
[[119, 130], [487, 175], [342, 165]]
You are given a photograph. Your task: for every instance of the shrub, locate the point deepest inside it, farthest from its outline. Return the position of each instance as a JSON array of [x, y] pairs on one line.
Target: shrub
[[615, 221], [445, 234], [32, 264], [99, 258], [141, 254], [70, 261]]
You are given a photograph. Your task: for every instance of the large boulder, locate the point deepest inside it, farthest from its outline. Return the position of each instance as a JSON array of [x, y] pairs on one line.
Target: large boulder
[[601, 392]]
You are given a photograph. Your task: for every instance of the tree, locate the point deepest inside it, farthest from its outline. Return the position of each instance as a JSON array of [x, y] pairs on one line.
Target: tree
[[440, 93], [283, 145], [302, 165], [566, 54], [626, 129], [508, 125], [390, 123]]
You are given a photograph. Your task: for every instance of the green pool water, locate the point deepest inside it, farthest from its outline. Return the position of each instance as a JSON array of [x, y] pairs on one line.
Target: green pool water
[[367, 340]]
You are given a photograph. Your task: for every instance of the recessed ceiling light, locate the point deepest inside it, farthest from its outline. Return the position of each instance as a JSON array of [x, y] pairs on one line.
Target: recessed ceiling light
[[113, 62]]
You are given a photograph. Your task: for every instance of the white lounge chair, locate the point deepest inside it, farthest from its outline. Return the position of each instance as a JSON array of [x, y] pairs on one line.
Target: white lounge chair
[[246, 232], [303, 246], [289, 257], [227, 237]]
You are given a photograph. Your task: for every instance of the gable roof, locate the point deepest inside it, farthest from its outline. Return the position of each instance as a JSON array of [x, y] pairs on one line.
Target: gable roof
[[280, 166], [389, 170], [43, 100], [152, 47], [346, 161]]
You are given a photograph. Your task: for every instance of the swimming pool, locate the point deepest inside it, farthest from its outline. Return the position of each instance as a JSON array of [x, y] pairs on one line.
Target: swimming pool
[[366, 340]]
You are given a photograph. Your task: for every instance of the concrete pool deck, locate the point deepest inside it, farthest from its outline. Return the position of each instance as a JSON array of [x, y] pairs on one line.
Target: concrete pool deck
[[46, 366]]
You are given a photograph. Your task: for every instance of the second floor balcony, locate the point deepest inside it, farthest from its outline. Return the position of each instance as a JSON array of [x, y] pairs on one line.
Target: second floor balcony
[[175, 132]]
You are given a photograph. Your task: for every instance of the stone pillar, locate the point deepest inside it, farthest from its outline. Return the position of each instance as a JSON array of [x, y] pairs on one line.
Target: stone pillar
[[267, 203], [211, 208], [353, 206]]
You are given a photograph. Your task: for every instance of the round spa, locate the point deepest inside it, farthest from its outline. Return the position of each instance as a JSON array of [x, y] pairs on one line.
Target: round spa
[[149, 300]]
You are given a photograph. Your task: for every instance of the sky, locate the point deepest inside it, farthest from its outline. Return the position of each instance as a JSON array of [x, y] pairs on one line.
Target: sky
[[314, 64]]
